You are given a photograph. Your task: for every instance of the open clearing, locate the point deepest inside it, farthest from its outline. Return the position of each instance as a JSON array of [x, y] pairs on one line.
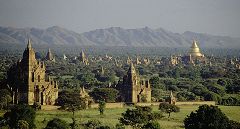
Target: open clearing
[[111, 116]]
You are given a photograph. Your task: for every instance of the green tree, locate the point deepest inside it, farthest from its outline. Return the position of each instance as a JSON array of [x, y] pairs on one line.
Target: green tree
[[20, 112], [183, 96], [168, 108], [101, 107], [87, 79], [107, 94], [138, 117], [5, 98], [155, 83], [206, 117], [57, 123], [71, 102], [176, 73]]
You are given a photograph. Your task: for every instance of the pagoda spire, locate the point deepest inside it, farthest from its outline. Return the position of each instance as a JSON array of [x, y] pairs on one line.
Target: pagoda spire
[[132, 68], [29, 44]]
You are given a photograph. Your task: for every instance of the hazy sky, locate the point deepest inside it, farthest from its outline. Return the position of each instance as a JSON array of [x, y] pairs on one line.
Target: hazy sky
[[220, 17]]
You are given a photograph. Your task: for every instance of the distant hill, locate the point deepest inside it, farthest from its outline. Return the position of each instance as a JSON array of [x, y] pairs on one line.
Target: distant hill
[[114, 36]]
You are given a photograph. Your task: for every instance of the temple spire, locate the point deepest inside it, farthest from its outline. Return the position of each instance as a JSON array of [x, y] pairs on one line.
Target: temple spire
[[171, 94], [29, 44], [132, 68]]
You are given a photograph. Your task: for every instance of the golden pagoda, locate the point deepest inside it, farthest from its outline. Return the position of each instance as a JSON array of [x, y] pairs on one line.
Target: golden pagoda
[[194, 55], [194, 50]]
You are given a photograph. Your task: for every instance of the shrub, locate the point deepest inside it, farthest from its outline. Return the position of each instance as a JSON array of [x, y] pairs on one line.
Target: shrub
[[120, 126], [91, 124], [22, 124], [101, 107], [57, 123], [152, 125]]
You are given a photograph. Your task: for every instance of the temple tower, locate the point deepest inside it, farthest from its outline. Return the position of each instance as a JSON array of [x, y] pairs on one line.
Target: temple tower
[[83, 58], [31, 85], [134, 89], [50, 56], [172, 99]]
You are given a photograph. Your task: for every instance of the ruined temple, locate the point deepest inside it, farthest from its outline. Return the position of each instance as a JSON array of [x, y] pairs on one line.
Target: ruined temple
[[172, 99], [133, 89], [29, 83], [85, 96], [50, 56], [83, 58]]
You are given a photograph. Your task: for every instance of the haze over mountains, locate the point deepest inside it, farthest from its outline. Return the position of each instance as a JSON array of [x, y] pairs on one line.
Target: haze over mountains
[[114, 36]]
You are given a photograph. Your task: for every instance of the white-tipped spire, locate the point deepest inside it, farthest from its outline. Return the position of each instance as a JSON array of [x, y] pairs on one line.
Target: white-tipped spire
[[171, 94], [29, 44]]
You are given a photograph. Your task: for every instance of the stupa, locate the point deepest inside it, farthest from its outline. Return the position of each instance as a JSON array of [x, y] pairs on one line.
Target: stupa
[[194, 50]]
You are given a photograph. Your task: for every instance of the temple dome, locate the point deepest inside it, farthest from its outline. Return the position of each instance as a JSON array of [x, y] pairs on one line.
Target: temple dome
[[194, 50]]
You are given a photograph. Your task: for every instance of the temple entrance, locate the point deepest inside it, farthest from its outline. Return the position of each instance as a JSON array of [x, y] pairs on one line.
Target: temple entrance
[[36, 94], [42, 98]]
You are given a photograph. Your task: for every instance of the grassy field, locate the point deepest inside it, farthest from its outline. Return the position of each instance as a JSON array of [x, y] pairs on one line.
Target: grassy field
[[111, 116]]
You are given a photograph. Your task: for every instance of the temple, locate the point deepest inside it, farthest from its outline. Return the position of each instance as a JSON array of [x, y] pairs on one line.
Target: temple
[[134, 89], [30, 84], [50, 56], [83, 58], [195, 51], [172, 99], [194, 55]]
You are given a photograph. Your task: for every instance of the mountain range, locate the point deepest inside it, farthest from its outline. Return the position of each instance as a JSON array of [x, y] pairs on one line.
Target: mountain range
[[114, 36]]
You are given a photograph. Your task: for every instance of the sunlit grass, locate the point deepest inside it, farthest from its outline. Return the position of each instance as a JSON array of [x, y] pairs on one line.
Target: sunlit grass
[[111, 116]]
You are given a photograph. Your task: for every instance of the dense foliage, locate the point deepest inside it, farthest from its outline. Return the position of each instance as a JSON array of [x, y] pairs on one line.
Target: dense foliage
[[106, 94], [152, 125], [218, 82], [5, 98], [209, 117], [71, 101], [20, 115], [139, 116]]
